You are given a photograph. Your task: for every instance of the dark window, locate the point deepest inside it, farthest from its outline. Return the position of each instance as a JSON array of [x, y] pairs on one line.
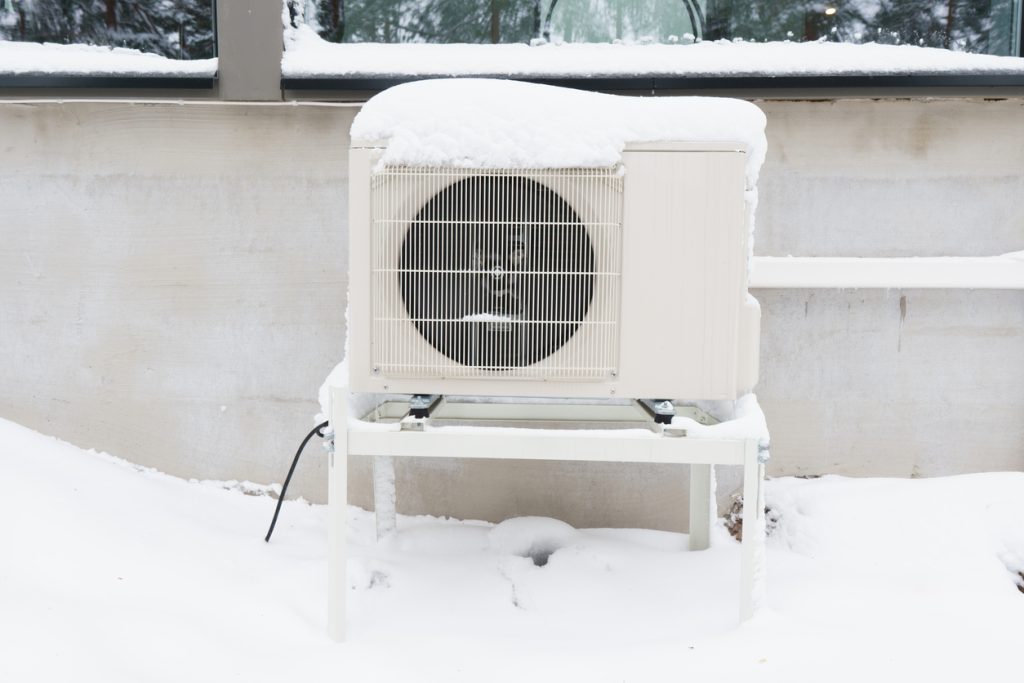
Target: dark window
[[178, 29], [982, 26]]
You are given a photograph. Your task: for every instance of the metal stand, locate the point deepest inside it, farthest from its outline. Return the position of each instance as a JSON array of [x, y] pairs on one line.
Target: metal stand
[[550, 431]]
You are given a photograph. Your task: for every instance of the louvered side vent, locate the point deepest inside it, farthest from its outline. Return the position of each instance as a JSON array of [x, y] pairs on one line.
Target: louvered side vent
[[509, 273]]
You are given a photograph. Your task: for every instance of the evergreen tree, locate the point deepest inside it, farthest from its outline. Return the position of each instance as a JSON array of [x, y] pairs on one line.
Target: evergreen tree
[[423, 21], [983, 26], [181, 29], [966, 25]]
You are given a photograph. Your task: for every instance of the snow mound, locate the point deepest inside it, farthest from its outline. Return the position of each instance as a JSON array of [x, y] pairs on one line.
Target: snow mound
[[494, 123], [975, 524], [533, 537]]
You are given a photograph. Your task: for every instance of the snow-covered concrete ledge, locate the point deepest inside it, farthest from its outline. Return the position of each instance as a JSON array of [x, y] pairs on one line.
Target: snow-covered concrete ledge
[[309, 56], [938, 272], [50, 59]]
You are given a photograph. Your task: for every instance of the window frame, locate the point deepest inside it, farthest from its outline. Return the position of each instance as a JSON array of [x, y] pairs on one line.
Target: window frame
[[655, 84]]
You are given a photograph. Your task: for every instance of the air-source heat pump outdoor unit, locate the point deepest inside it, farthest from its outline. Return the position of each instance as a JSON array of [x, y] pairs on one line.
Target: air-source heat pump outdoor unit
[[625, 277]]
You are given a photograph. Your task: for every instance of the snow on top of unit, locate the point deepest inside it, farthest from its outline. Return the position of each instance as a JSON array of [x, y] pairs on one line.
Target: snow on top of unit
[[33, 59], [308, 55], [493, 123]]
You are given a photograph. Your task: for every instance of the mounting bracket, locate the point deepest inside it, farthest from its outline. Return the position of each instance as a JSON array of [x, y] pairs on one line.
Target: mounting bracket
[[661, 409], [421, 405]]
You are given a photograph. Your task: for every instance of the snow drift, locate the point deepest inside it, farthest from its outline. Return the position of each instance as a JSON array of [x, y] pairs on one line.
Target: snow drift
[[112, 572]]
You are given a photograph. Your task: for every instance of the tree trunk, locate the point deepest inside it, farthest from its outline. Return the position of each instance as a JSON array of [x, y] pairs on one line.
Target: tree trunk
[[950, 10], [547, 20], [495, 22], [111, 14]]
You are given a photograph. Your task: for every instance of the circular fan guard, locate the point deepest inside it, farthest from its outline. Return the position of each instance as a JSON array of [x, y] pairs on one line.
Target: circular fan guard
[[497, 272]]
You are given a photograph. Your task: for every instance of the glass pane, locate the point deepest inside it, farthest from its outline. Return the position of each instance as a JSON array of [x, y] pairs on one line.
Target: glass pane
[[179, 29], [985, 26], [605, 21]]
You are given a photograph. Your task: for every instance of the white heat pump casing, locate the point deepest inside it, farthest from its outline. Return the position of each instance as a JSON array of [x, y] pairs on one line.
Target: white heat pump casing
[[685, 325]]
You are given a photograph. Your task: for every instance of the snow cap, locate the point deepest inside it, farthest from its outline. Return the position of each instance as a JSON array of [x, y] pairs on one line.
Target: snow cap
[[496, 123]]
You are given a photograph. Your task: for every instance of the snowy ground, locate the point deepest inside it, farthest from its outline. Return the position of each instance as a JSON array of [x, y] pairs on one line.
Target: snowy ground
[[93, 60], [308, 55], [109, 572]]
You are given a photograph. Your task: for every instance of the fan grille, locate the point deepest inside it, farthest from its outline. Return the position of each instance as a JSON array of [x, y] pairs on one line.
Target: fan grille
[[507, 273]]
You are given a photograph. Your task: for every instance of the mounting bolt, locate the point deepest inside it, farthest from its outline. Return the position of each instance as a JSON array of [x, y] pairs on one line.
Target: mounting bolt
[[661, 409], [376, 370]]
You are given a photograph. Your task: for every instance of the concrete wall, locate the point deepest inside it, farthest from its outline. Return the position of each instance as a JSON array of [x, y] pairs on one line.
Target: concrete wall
[[172, 291], [172, 280], [892, 178]]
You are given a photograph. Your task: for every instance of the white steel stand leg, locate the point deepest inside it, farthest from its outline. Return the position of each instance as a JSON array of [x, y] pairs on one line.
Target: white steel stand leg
[[384, 495], [752, 562], [700, 507], [337, 498]]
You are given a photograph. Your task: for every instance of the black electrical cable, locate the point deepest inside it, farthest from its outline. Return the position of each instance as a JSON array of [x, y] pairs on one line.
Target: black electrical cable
[[318, 430]]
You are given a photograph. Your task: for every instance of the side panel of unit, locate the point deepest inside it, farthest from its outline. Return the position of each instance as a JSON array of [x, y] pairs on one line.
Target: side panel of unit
[[726, 237], [683, 273], [360, 326], [748, 346]]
